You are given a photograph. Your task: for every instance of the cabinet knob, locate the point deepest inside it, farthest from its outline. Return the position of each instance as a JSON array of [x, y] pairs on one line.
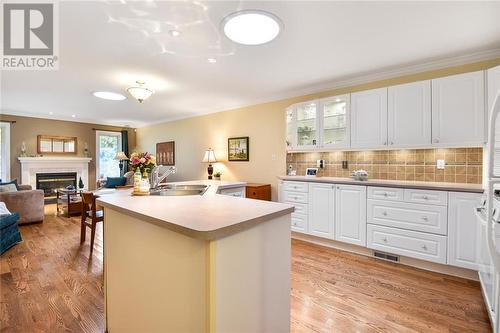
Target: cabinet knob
[[424, 247], [425, 197], [385, 143], [436, 140], [385, 239], [385, 194], [425, 218], [294, 224], [392, 143], [384, 213]]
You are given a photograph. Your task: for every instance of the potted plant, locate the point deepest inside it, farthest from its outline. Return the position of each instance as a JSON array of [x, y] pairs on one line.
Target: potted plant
[[80, 184], [217, 175]]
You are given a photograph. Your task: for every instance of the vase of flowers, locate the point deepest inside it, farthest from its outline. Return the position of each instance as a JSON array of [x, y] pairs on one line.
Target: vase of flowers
[[145, 162]]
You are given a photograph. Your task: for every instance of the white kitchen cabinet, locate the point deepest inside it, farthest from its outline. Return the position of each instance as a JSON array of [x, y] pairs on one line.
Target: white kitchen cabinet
[[334, 122], [493, 86], [409, 114], [321, 210], [350, 214], [463, 230], [458, 110], [369, 118]]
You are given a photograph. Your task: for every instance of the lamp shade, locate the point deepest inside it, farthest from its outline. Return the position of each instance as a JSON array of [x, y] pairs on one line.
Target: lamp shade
[[120, 156], [209, 156]]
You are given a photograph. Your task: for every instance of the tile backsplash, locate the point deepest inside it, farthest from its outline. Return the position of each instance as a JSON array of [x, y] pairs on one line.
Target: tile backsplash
[[463, 165]]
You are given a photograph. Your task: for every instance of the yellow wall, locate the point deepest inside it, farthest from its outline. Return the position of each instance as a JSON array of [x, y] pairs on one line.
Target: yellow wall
[[264, 124]]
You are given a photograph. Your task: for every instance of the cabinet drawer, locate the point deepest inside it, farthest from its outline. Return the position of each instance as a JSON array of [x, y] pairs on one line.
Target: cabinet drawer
[[407, 243], [386, 193], [404, 215], [296, 186], [299, 207], [426, 197], [292, 197], [299, 222]]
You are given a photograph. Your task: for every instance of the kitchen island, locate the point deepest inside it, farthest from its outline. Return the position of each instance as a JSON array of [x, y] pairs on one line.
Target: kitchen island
[[196, 263]]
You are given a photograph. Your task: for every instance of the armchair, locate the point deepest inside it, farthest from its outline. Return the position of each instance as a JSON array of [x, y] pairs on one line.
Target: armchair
[[27, 202]]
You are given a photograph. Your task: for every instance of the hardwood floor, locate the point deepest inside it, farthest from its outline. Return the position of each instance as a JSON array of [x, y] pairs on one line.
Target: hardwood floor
[[49, 283]]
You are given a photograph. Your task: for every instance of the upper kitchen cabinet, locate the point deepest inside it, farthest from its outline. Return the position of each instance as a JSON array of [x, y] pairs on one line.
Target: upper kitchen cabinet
[[409, 114], [334, 122], [458, 110], [369, 118], [302, 126]]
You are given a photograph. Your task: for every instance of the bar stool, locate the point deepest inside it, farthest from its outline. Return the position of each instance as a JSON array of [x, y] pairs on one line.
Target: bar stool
[[90, 217]]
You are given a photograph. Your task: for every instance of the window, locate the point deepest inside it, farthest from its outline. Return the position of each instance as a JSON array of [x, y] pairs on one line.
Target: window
[[4, 151], [107, 145]]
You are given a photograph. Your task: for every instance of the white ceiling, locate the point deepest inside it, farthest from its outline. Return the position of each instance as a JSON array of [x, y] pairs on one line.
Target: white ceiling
[[109, 45]]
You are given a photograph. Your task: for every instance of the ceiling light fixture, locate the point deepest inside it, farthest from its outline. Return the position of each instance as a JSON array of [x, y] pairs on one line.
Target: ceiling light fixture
[[251, 27], [174, 33], [109, 95], [140, 92], [212, 60], [73, 116]]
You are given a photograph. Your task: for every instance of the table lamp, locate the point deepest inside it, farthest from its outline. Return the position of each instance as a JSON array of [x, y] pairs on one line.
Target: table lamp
[[209, 158], [120, 156]]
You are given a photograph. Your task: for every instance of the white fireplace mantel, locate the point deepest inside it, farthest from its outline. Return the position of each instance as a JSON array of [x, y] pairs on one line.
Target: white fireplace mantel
[[30, 166]]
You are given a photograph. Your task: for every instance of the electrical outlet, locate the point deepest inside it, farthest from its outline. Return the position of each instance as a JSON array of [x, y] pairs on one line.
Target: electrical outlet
[[273, 157], [440, 164]]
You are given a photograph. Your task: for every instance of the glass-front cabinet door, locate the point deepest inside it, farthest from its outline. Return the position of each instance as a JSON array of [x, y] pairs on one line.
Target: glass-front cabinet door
[[306, 130], [291, 138], [334, 124]]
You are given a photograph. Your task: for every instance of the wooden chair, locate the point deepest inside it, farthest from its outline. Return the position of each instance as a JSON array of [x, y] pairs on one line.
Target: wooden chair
[[90, 217]]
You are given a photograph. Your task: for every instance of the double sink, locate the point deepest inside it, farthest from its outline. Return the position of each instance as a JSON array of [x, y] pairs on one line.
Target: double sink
[[177, 190]]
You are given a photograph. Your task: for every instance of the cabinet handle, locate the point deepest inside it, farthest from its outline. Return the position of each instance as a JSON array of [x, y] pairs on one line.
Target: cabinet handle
[[425, 197], [294, 224], [424, 247], [385, 239], [392, 143], [385, 194], [436, 140], [425, 218], [384, 213], [385, 143]]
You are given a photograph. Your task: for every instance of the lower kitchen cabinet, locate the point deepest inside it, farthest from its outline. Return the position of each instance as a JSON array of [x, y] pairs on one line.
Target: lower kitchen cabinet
[[321, 210], [463, 230], [350, 214]]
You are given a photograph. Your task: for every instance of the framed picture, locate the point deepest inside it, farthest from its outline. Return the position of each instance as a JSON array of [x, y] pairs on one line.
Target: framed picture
[[238, 149], [165, 153]]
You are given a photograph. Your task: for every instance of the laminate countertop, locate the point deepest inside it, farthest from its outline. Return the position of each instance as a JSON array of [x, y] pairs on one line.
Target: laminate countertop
[[451, 187], [208, 216]]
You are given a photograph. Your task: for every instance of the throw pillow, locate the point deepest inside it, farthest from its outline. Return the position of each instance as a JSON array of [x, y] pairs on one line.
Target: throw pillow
[[112, 182], [14, 181], [8, 188], [3, 209]]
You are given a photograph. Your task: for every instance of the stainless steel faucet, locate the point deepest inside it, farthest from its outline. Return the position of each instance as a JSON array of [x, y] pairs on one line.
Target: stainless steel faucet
[[159, 174]]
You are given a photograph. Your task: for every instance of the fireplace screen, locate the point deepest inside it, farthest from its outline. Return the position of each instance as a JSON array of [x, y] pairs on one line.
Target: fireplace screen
[[51, 182]]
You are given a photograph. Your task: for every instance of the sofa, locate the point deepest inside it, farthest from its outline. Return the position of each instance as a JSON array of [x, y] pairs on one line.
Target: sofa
[[9, 232], [25, 201]]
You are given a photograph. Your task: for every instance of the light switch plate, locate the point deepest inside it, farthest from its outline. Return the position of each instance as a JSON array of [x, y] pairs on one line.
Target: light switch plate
[[440, 164]]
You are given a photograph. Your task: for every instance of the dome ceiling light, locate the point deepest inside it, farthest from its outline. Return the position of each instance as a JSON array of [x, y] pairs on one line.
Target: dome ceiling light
[[251, 27], [112, 96], [140, 92]]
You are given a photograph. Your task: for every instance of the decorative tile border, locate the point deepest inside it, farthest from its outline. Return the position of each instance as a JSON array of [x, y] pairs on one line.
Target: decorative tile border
[[463, 165]]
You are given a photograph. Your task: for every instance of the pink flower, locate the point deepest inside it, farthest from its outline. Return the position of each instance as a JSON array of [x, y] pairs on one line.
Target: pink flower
[[142, 160]]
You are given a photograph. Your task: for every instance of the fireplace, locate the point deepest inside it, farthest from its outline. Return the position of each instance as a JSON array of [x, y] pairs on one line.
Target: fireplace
[[50, 182]]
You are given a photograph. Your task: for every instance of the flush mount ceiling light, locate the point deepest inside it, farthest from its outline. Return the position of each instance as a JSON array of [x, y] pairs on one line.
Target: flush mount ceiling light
[[109, 95], [251, 27], [174, 33], [212, 60], [140, 92]]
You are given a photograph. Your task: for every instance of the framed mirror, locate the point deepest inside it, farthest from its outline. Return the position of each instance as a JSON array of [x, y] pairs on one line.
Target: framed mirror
[[56, 144]]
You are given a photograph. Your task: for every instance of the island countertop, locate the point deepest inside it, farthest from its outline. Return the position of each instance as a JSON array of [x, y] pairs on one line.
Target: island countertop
[[208, 216], [452, 187]]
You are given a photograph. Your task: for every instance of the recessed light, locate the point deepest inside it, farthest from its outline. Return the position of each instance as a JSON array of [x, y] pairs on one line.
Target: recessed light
[[109, 95], [73, 116], [337, 100], [174, 33], [212, 60], [51, 113], [251, 27]]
